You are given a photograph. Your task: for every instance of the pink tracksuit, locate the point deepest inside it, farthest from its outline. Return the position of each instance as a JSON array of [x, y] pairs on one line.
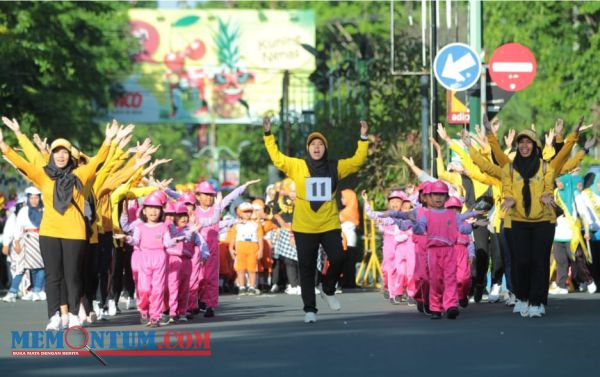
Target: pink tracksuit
[[441, 227], [180, 255], [421, 271], [463, 270], [402, 274], [151, 266], [389, 250]]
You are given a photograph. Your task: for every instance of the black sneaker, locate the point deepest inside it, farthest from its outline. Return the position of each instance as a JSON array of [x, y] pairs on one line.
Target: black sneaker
[[452, 312], [411, 301], [426, 310], [478, 293], [396, 300], [436, 315], [201, 306], [189, 316], [195, 311], [463, 302], [209, 313], [420, 307], [386, 295]]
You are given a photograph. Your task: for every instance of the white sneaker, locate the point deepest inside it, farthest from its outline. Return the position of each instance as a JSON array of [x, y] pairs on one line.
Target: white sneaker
[[317, 291], [123, 299], [182, 318], [55, 323], [92, 318], [591, 288], [28, 296], [112, 308], [36, 296], [560, 291], [291, 290], [553, 285], [542, 309], [494, 295], [64, 320], [82, 316], [525, 309], [101, 315], [298, 291], [42, 295], [510, 301], [519, 305], [534, 311], [96, 307], [10, 297], [274, 288], [310, 317], [332, 301], [74, 320], [131, 304]]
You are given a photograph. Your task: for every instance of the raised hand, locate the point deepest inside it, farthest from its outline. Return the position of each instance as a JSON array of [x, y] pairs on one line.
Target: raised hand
[[143, 160], [124, 141], [550, 137], [409, 161], [111, 131], [41, 144], [266, 125], [558, 126], [495, 125], [436, 145], [12, 124], [510, 137], [125, 131], [364, 195], [219, 198], [487, 124], [590, 143], [465, 136], [364, 128], [442, 132], [251, 182], [532, 127], [579, 126]]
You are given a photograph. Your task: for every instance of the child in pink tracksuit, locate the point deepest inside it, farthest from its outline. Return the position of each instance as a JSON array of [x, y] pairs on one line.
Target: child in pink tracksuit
[[465, 252], [398, 248], [150, 237], [442, 227], [185, 241]]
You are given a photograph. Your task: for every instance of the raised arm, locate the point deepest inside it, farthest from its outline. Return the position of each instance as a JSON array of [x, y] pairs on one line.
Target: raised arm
[[351, 165]]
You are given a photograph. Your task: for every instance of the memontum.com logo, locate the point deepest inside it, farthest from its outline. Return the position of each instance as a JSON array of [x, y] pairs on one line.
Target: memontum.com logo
[[78, 341]]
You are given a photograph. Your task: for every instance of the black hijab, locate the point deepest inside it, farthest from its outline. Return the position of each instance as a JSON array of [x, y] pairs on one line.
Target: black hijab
[[322, 168], [527, 168], [64, 181]]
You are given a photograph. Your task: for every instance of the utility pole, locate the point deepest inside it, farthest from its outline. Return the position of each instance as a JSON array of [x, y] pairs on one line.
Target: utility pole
[[475, 41], [432, 80]]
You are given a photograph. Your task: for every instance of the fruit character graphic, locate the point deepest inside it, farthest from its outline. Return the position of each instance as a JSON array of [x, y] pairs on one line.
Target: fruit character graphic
[[231, 76]]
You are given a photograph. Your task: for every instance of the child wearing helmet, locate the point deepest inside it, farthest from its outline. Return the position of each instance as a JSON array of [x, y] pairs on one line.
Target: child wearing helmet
[[246, 249]]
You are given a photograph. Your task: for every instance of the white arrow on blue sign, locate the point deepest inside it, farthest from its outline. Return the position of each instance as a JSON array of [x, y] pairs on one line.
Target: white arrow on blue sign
[[456, 67]]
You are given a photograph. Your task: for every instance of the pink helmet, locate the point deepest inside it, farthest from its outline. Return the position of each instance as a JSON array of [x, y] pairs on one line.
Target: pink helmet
[[438, 187], [453, 202], [205, 187], [424, 187], [170, 207], [181, 209], [187, 197], [160, 195], [153, 200], [398, 194]]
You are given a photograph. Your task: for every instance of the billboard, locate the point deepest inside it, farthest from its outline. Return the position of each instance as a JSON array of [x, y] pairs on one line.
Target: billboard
[[221, 66]]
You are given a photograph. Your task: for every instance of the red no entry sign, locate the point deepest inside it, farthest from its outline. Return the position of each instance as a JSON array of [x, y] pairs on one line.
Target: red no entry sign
[[512, 67]]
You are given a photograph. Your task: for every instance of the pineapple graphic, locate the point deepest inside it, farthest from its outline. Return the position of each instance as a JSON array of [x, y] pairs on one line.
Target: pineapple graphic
[[231, 75]]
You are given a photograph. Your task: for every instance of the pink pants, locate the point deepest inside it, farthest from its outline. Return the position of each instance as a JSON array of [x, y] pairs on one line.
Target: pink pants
[[442, 278], [135, 267], [463, 270], [178, 280], [209, 280], [421, 273], [194, 282], [389, 246], [151, 283], [401, 278]]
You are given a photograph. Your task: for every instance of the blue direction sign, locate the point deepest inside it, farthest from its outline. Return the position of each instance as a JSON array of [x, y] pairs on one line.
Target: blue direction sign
[[456, 67]]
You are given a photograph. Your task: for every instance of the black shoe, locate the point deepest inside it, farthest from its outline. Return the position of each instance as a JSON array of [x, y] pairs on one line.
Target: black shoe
[[452, 313], [420, 307], [201, 306], [154, 324], [386, 295], [411, 301], [464, 302], [195, 311], [478, 293], [209, 313], [426, 310], [436, 315]]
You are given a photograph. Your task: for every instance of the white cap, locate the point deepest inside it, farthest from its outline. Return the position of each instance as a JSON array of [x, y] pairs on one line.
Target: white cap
[[245, 206], [21, 198], [31, 190]]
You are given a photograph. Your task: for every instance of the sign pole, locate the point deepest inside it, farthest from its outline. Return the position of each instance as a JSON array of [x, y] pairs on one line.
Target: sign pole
[[475, 26], [433, 82]]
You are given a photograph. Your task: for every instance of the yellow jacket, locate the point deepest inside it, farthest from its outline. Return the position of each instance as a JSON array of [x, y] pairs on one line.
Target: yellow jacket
[[69, 225], [539, 184], [327, 217]]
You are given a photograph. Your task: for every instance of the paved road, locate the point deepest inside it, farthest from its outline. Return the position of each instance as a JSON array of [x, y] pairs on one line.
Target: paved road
[[265, 336]]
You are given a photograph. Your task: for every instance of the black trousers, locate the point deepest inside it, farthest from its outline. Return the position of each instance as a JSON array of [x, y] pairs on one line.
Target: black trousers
[[348, 280], [487, 245], [595, 267], [562, 256], [90, 276], [292, 271], [503, 237], [307, 245], [531, 247], [278, 275], [121, 275], [104, 255], [63, 261]]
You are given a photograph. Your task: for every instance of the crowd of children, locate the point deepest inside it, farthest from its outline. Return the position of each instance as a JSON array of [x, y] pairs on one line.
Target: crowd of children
[[170, 253]]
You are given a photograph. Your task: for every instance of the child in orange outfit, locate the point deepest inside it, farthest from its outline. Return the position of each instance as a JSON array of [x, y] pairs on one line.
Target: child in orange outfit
[[246, 249]]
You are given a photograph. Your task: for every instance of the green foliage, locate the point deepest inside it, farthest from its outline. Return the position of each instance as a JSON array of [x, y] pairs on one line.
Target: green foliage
[[60, 63]]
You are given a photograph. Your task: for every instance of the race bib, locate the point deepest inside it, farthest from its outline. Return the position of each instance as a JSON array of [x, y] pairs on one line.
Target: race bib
[[318, 189]]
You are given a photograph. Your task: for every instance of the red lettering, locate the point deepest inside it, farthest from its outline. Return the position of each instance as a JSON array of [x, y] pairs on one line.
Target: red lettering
[[129, 100]]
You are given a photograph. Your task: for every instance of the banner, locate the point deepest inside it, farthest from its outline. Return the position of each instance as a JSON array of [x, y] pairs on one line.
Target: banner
[[221, 66]]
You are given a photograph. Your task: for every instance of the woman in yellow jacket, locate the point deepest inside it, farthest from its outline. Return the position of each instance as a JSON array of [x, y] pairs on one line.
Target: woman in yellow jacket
[[527, 187], [316, 218], [63, 229]]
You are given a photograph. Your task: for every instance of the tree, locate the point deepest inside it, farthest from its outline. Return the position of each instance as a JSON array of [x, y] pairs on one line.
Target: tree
[[61, 62]]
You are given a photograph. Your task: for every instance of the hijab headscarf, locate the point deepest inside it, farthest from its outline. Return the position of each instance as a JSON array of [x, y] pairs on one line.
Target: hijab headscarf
[[350, 211], [35, 213], [527, 168], [64, 181], [567, 193], [321, 168]]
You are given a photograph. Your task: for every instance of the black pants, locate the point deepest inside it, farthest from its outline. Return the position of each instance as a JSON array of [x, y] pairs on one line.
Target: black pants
[[278, 275], [487, 246], [531, 247], [307, 245], [503, 237], [348, 280], [90, 276], [104, 255], [563, 258], [63, 261], [595, 268], [121, 273], [292, 271]]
